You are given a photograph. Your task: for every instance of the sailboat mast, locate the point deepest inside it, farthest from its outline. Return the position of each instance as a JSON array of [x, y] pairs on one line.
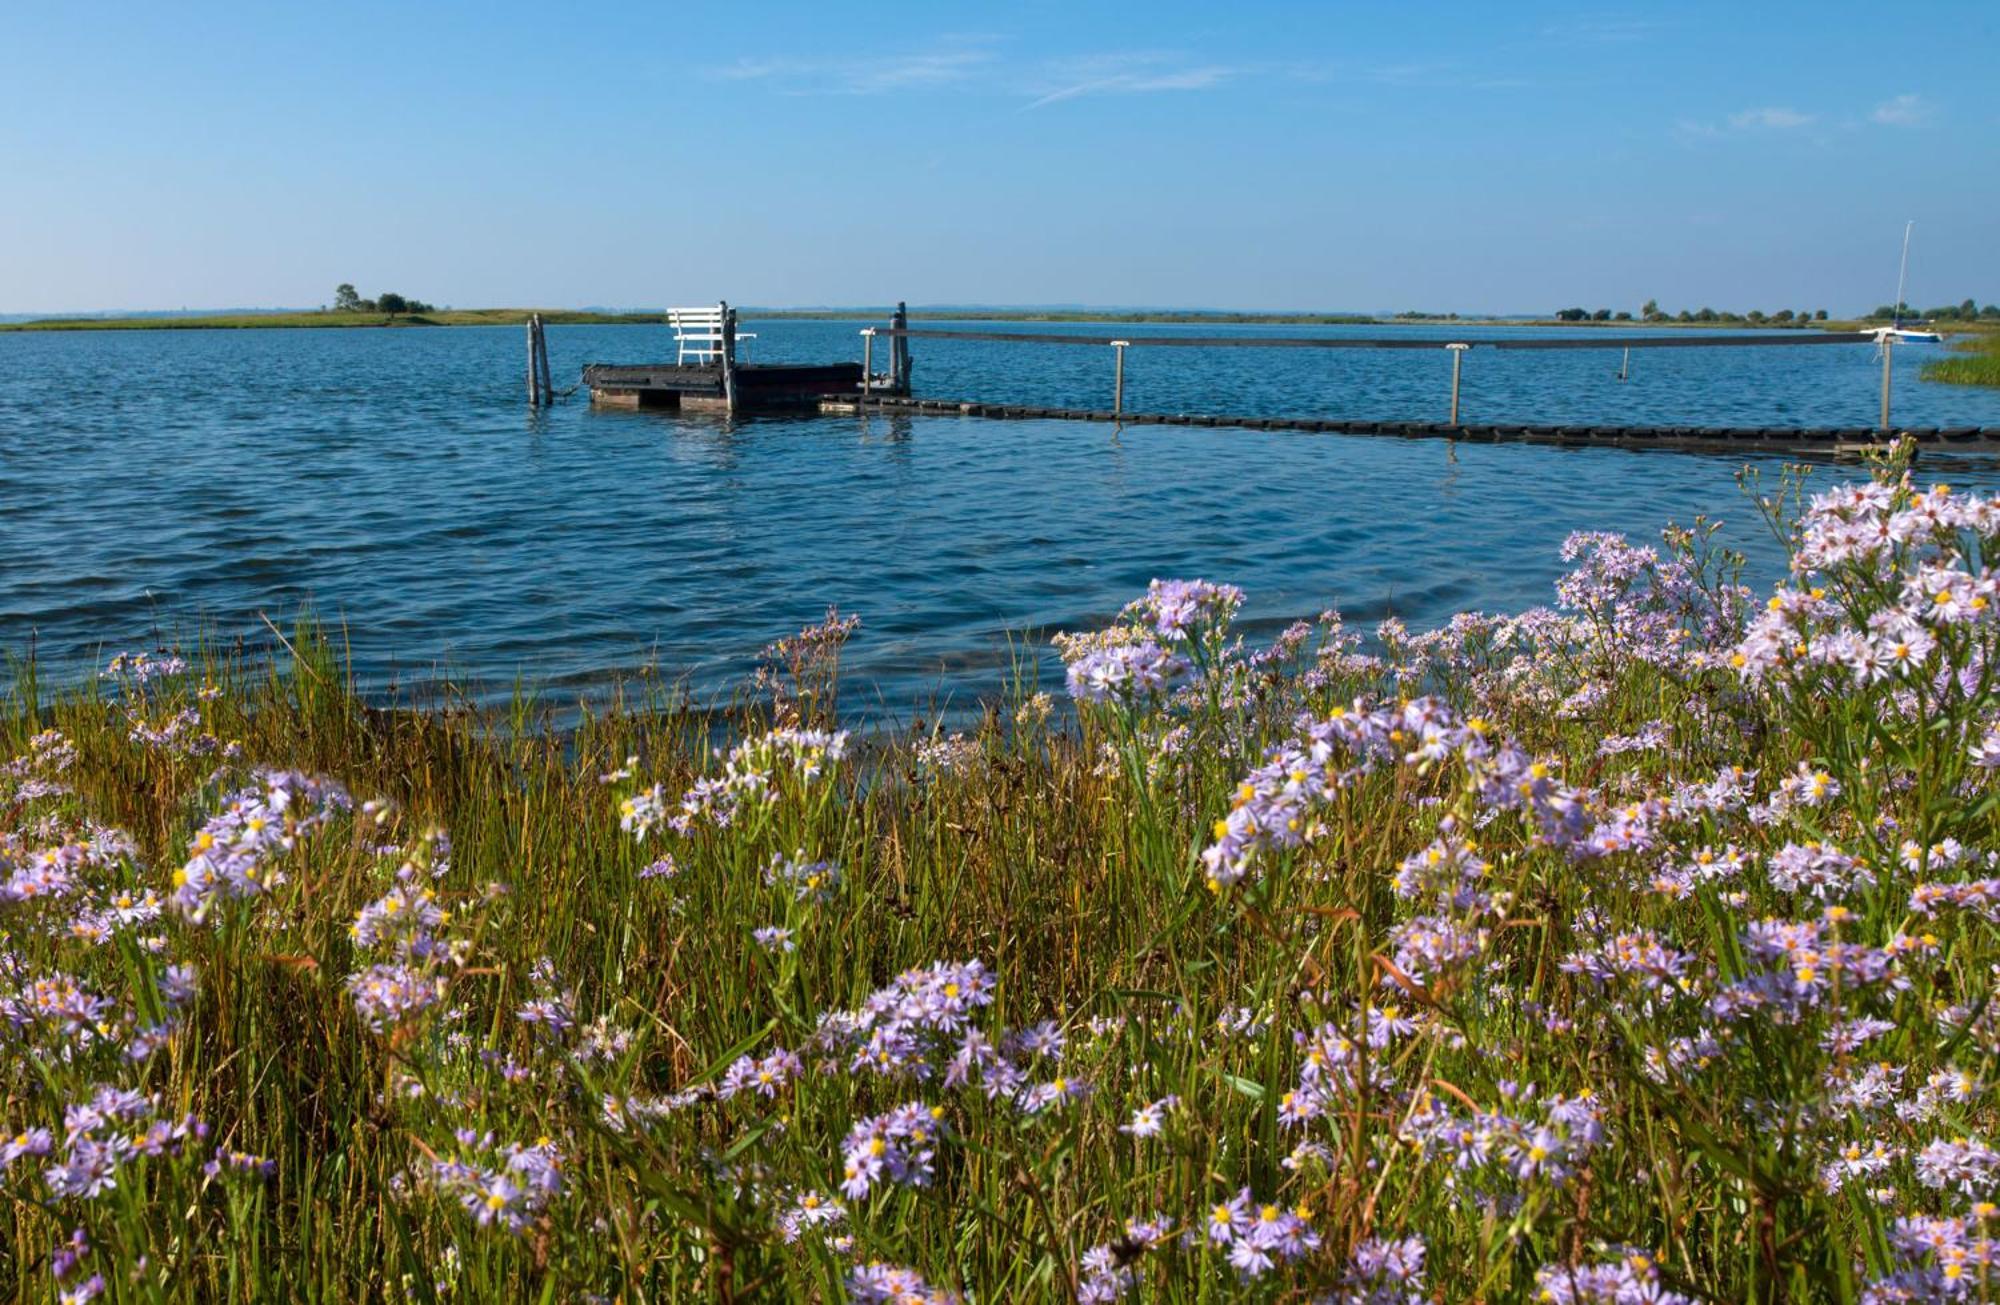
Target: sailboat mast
[[1903, 276]]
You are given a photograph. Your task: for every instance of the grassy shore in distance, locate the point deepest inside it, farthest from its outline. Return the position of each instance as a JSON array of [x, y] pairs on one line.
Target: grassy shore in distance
[[1974, 361], [330, 320], [567, 317], [1639, 949]]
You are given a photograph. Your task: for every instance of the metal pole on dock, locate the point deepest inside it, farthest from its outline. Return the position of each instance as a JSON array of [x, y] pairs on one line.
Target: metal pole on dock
[[867, 360], [1888, 345], [1457, 357], [1118, 378], [728, 357]]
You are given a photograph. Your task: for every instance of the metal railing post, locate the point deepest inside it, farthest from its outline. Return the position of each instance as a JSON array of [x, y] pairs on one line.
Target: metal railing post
[[1118, 378], [1457, 358], [867, 359], [1888, 347]]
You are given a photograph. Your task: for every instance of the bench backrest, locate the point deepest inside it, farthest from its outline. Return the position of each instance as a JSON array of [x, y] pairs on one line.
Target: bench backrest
[[697, 331]]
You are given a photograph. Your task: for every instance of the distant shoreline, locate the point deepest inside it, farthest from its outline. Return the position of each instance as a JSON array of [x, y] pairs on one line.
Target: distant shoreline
[[330, 320]]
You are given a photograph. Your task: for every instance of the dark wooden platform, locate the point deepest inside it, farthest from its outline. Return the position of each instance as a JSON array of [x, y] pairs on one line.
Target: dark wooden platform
[[759, 386]]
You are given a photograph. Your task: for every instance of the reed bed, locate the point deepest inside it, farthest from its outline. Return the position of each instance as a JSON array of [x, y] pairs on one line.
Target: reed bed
[[1972, 362], [1638, 948]]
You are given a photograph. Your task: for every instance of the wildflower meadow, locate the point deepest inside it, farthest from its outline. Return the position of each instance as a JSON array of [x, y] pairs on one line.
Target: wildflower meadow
[[1636, 948]]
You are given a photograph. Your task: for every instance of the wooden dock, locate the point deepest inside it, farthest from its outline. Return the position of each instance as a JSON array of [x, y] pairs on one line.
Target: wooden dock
[[760, 387]]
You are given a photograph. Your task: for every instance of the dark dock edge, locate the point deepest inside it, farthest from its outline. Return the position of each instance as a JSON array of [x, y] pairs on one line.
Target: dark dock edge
[[1968, 439]]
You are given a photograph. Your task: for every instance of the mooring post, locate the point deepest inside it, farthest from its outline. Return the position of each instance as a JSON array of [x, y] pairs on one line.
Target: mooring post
[[1625, 364], [1118, 378], [899, 350], [867, 360], [1888, 345], [542, 360], [1457, 357], [728, 357], [534, 375]]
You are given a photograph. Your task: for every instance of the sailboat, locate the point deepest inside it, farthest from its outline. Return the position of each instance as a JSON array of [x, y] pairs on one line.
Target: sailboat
[[1896, 328]]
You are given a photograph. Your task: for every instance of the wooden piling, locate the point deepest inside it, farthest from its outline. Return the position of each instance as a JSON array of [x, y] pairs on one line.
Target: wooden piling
[[899, 350], [534, 373], [1118, 378], [728, 358], [542, 345], [1457, 358], [867, 359]]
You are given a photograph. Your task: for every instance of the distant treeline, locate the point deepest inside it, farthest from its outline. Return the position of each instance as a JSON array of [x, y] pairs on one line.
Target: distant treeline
[[1651, 311], [347, 300], [1964, 311]]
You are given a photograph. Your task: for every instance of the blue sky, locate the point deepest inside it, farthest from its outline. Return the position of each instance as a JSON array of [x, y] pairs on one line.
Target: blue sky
[[1472, 157]]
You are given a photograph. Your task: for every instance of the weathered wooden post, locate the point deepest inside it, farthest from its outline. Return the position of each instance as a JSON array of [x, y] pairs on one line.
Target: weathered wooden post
[[867, 360], [899, 350], [1457, 357], [728, 357], [542, 361], [1888, 343], [534, 375], [1118, 378]]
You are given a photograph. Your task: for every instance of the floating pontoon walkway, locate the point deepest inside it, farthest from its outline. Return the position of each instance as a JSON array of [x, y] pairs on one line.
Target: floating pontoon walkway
[[1968, 439]]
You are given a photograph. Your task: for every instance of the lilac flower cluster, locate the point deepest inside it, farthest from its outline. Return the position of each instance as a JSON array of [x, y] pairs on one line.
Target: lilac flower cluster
[[505, 1187], [1179, 610], [1529, 1139], [405, 922], [1110, 1271], [899, 1146], [886, 1284], [1124, 673], [754, 775], [1256, 1237], [1632, 1277], [238, 852]]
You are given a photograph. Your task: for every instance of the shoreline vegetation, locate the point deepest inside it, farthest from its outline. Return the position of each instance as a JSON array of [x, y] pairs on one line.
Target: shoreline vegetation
[[1974, 361], [1640, 947]]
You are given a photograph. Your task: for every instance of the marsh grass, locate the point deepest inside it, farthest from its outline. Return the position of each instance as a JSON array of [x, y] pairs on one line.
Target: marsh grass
[[1974, 361]]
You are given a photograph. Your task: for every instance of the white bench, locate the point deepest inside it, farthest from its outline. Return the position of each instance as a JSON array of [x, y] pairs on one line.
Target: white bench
[[698, 333]]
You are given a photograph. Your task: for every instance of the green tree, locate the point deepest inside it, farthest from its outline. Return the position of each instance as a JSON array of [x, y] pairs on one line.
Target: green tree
[[1819, 314], [1651, 310], [391, 303], [345, 300]]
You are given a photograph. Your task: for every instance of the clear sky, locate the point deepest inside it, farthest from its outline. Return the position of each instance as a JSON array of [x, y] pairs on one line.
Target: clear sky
[[1478, 157]]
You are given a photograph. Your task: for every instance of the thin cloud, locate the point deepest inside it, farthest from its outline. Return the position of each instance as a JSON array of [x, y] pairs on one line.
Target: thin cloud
[[1601, 31], [950, 63], [1902, 111], [1435, 74], [1773, 119], [1134, 73]]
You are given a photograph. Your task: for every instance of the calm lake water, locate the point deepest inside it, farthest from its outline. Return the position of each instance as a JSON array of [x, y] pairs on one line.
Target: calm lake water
[[153, 484]]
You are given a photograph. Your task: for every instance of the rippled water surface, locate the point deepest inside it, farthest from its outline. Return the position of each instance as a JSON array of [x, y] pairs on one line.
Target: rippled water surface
[[155, 483]]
